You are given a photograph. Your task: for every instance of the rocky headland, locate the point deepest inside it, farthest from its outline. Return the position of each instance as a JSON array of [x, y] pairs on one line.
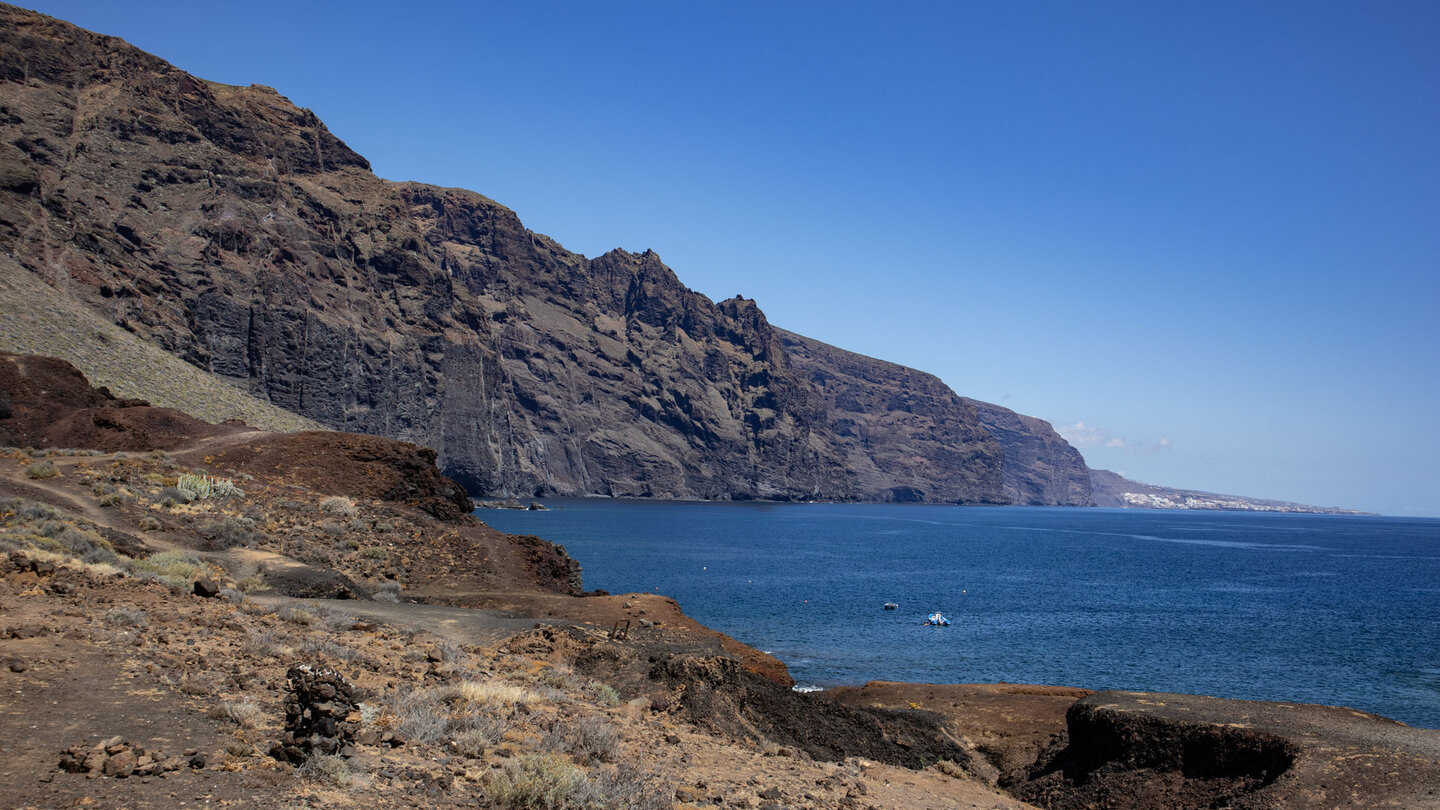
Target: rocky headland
[[230, 229]]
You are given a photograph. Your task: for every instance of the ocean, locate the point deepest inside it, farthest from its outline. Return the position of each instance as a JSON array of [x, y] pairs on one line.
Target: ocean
[[1338, 610]]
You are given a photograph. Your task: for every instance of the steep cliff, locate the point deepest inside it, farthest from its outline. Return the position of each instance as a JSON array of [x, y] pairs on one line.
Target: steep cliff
[[1041, 468], [906, 435], [232, 229], [629, 382]]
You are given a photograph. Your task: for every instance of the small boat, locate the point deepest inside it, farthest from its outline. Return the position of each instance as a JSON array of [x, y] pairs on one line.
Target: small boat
[[891, 606], [937, 619]]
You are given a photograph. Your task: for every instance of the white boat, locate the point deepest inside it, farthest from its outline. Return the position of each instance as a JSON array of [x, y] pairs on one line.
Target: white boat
[[937, 619], [891, 605]]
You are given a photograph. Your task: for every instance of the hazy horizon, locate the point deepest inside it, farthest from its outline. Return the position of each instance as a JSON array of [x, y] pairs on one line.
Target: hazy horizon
[[1202, 240]]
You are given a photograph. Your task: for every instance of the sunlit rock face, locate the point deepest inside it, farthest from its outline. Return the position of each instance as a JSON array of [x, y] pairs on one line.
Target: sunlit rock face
[[232, 229]]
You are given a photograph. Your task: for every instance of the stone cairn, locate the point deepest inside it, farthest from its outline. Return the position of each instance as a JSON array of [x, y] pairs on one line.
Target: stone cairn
[[322, 714]]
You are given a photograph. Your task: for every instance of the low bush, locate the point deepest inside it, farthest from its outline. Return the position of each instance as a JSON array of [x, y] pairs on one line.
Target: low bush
[[494, 693], [296, 615], [338, 505], [538, 781], [42, 469], [329, 769], [229, 532], [263, 643], [602, 693], [243, 713], [178, 569], [949, 768], [589, 739], [627, 787]]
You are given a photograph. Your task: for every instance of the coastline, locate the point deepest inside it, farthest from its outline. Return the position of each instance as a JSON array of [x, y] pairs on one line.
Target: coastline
[[129, 600]]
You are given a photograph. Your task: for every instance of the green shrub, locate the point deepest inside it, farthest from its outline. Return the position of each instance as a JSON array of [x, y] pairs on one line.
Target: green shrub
[[203, 486], [177, 569], [949, 768], [537, 782], [602, 693], [252, 583], [42, 469]]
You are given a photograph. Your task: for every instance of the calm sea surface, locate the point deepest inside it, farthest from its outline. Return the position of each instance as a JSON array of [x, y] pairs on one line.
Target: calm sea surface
[[1321, 609]]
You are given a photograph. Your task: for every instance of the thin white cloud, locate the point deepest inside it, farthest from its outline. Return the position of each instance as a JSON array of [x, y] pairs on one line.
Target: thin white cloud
[[1082, 437]]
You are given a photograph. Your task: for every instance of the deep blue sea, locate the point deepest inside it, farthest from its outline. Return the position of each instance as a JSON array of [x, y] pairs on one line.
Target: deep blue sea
[[1322, 609]]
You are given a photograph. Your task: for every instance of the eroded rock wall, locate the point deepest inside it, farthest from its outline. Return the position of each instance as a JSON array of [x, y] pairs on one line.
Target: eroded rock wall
[[232, 229]]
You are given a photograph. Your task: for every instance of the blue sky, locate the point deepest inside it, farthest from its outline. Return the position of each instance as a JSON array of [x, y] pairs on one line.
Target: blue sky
[[1201, 238]]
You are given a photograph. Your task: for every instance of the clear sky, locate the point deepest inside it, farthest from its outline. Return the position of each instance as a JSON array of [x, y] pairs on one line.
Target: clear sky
[[1201, 238]]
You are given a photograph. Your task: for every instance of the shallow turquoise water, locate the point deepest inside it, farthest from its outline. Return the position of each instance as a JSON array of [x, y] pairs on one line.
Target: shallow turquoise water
[[1323, 609]]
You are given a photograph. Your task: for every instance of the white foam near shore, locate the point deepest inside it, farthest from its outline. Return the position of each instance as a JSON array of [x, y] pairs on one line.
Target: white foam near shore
[[802, 687]]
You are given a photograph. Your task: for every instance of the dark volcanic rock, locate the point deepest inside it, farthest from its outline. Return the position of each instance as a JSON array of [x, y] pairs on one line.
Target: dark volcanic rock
[[232, 229], [907, 437], [53, 405], [1041, 468], [1146, 750]]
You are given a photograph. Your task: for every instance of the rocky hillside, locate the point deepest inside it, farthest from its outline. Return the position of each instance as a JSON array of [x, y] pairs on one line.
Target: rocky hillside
[[231, 229], [1115, 491], [1040, 466]]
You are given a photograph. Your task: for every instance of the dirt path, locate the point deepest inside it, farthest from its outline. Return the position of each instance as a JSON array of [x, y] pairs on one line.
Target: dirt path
[[454, 624]]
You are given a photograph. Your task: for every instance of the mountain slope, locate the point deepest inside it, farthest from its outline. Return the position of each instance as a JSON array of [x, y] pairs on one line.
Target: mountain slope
[[233, 230], [1040, 466], [1117, 492]]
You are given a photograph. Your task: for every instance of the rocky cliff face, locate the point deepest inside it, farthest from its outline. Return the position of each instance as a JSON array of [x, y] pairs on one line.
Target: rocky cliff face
[[630, 383], [232, 229], [1041, 468], [906, 435]]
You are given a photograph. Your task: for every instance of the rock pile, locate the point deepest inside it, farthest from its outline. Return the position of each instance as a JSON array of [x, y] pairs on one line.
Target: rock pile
[[322, 714], [119, 758], [20, 561]]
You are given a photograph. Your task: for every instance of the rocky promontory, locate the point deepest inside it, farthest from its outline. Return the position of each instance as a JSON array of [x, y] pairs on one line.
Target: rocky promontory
[[231, 229]]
